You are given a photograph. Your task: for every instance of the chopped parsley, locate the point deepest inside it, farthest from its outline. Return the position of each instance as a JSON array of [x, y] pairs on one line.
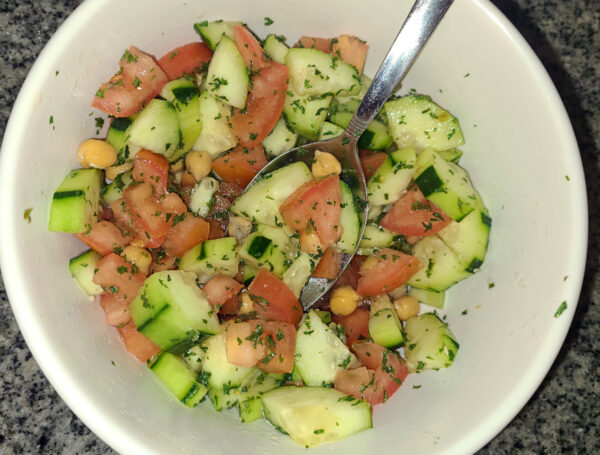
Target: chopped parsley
[[562, 307]]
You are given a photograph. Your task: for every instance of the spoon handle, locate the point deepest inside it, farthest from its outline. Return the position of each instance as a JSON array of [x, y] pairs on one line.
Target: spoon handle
[[418, 26]]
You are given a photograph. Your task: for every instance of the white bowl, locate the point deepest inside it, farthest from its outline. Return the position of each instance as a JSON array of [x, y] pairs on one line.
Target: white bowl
[[520, 151]]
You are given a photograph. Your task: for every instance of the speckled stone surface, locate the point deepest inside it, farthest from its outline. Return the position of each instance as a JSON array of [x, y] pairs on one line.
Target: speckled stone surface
[[564, 414]]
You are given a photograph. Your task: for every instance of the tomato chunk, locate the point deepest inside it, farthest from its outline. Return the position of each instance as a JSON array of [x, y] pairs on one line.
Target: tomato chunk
[[393, 269], [273, 299], [220, 289], [249, 47], [117, 314], [351, 50], [316, 204], [139, 80], [104, 237], [123, 217], [147, 214], [185, 60], [151, 168], [329, 265], [118, 277], [350, 275], [371, 161], [356, 325], [244, 343], [185, 235], [280, 342], [323, 44], [414, 215], [137, 343], [240, 165], [360, 383]]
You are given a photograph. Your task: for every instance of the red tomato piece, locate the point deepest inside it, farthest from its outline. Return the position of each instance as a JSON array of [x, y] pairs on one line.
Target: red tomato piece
[[173, 204], [118, 277], [249, 48], [220, 289], [329, 265], [185, 60], [280, 347], [323, 44], [393, 269], [139, 80], [356, 325], [273, 299], [147, 214], [240, 165], [151, 168], [371, 161], [186, 234], [104, 237], [162, 263], [244, 343], [137, 343], [117, 314], [350, 275], [264, 105], [319, 201], [351, 50], [123, 217], [360, 383], [414, 215], [390, 369]]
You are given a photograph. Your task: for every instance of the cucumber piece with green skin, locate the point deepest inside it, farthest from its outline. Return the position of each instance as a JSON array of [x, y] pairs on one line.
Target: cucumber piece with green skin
[[349, 220], [117, 135], [431, 298], [416, 120], [440, 266], [82, 269], [114, 190], [469, 238], [275, 48], [227, 77], [185, 98], [314, 73], [261, 251], [306, 114], [171, 309], [430, 344], [180, 380], [280, 237], [320, 354], [280, 140], [390, 179], [376, 236], [202, 197], [251, 390], [375, 137], [384, 326], [76, 202], [447, 185], [248, 273], [157, 129], [212, 32], [298, 273], [223, 377], [329, 131], [316, 415], [212, 257], [216, 136], [452, 155], [260, 202]]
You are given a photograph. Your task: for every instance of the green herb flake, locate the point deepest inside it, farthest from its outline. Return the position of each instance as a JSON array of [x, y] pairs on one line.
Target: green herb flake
[[561, 309], [319, 431], [268, 21], [27, 214]]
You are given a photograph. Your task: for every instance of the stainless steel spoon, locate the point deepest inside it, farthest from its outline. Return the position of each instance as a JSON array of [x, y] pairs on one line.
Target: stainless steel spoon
[[422, 20]]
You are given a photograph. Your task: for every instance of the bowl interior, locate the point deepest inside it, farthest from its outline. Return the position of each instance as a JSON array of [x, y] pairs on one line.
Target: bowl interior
[[521, 155]]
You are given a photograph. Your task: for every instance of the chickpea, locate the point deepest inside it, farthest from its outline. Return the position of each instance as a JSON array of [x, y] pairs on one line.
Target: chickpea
[[310, 242], [344, 301], [176, 167], [112, 172], [96, 153], [406, 307], [325, 164], [138, 256], [247, 305], [198, 164]]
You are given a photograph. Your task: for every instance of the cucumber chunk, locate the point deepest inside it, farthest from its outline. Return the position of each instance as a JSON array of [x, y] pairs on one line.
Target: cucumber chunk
[[432, 298], [384, 326], [227, 77], [261, 251], [390, 179], [375, 137], [157, 129], [76, 202], [447, 185], [440, 266], [306, 114], [314, 73], [216, 136], [170, 309], [276, 48], [82, 270], [280, 140], [376, 236], [430, 344], [298, 273], [316, 415], [416, 120], [251, 390], [452, 155], [260, 203], [212, 32], [320, 354], [202, 197], [330, 130], [349, 221], [180, 380], [117, 135], [114, 190], [212, 257], [248, 273]]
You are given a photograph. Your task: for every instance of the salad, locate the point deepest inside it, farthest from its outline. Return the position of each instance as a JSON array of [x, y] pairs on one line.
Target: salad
[[201, 274]]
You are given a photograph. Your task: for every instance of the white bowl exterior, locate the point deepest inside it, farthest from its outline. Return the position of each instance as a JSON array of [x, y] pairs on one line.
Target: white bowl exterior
[[520, 152]]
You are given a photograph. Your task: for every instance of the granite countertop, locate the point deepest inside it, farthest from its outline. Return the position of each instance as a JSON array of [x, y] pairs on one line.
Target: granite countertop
[[563, 416]]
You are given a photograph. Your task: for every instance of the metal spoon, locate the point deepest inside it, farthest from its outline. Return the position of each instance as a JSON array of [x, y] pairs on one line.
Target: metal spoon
[[422, 20]]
